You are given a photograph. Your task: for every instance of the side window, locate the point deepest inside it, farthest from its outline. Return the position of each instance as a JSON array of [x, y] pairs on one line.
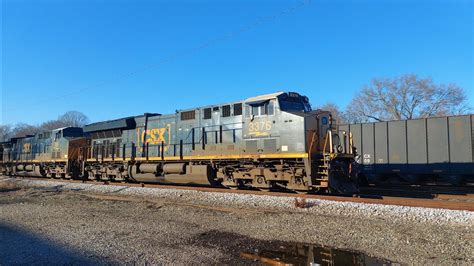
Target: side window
[[188, 115], [266, 108], [207, 113], [255, 109], [237, 109], [226, 111]]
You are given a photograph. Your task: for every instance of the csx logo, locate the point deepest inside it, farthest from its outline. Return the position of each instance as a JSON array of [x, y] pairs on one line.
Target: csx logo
[[26, 147], [155, 136]]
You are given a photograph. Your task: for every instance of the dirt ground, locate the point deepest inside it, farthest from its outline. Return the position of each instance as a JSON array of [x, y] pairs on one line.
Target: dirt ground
[[48, 225]]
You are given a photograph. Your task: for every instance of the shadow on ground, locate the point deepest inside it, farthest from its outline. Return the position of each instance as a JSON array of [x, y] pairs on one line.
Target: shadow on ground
[[18, 246]]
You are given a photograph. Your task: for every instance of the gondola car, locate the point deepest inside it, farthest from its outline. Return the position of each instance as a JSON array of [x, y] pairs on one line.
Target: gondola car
[[427, 150]]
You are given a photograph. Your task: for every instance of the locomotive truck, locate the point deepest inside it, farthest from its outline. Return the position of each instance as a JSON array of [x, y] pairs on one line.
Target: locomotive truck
[[264, 142]]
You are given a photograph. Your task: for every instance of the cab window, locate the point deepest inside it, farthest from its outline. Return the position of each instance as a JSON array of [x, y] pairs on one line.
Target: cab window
[[58, 135], [260, 109], [294, 105]]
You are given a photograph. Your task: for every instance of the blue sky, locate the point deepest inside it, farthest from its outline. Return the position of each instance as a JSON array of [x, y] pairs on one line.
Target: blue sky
[[111, 59]]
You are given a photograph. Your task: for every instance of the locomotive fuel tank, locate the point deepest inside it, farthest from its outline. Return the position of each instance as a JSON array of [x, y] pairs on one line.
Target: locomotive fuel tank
[[172, 173]]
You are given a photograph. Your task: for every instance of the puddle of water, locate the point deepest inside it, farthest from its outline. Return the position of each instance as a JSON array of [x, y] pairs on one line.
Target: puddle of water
[[300, 254]]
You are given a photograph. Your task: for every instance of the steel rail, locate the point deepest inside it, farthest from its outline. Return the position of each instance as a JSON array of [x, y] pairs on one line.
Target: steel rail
[[444, 201]]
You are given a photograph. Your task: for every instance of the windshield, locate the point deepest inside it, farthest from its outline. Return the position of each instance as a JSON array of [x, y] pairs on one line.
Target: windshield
[[294, 105]]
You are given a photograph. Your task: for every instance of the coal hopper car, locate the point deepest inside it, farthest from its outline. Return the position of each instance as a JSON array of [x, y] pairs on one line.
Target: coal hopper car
[[430, 150]]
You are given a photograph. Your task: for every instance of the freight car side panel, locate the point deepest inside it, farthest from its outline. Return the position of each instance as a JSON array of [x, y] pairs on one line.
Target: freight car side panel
[[416, 138], [459, 136], [472, 145], [381, 143], [438, 145], [368, 150], [397, 145]]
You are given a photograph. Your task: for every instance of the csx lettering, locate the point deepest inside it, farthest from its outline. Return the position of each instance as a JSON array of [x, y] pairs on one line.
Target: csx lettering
[[155, 135], [26, 147]]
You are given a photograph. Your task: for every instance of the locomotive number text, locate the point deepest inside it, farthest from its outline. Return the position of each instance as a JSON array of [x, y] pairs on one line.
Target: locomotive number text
[[259, 126]]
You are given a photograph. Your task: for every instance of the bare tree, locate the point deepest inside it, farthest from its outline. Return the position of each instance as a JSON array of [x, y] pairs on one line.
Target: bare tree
[[406, 97], [68, 119], [74, 119], [6, 132], [337, 114], [71, 118], [22, 129], [52, 124]]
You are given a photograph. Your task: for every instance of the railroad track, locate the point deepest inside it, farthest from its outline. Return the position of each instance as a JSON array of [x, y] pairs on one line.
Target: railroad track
[[419, 191], [376, 196]]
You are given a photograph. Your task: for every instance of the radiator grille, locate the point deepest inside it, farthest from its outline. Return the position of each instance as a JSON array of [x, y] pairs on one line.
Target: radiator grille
[[269, 145], [251, 146]]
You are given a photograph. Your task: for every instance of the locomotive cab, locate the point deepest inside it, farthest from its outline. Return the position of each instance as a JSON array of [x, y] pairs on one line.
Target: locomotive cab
[[284, 126]]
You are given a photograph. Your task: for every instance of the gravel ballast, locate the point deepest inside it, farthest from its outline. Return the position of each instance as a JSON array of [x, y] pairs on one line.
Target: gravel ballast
[[91, 223]]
